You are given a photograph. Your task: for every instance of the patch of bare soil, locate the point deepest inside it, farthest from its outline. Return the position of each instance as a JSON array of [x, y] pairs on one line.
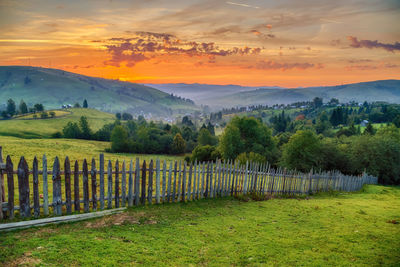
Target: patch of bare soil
[[24, 260], [119, 219]]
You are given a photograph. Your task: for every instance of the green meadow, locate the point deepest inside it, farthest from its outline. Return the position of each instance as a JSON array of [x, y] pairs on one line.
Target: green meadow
[[44, 128], [332, 229]]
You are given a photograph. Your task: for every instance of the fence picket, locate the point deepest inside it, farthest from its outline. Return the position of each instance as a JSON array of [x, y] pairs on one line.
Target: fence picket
[[35, 173], [93, 173], [123, 185], [57, 201], [164, 181], [67, 176], [143, 191], [85, 180], [189, 187], [10, 183], [169, 182], [174, 187], [137, 181], [130, 185], [150, 185], [101, 181], [109, 183], [45, 187], [77, 204], [158, 181], [184, 182], [23, 186], [116, 184]]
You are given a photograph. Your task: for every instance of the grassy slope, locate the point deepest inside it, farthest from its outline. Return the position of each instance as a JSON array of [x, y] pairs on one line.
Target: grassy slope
[[349, 229], [54, 87], [43, 128]]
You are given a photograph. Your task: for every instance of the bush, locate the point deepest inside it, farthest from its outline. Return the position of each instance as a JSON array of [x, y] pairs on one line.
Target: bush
[[178, 145], [56, 135], [44, 115], [251, 157], [204, 153], [119, 139]]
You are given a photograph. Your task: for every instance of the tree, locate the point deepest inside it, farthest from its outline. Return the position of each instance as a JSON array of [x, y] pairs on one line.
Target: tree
[[44, 115], [52, 114], [23, 108], [119, 139], [38, 107], [126, 116], [118, 116], [71, 130], [317, 102], [86, 132], [302, 152], [85, 104], [77, 105], [11, 107], [244, 134], [250, 157], [205, 138], [369, 129], [178, 144]]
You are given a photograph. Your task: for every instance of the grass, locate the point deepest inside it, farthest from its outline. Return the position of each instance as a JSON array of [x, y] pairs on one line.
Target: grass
[[342, 229], [73, 148], [57, 113], [44, 128]]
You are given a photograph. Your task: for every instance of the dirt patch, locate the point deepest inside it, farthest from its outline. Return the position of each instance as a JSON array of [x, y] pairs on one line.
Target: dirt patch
[[24, 260], [118, 219]]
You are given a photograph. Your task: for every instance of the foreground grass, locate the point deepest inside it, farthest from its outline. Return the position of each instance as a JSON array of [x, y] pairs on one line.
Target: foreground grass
[[346, 229]]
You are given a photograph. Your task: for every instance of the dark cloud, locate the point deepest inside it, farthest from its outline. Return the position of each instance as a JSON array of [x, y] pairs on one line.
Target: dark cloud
[[272, 65], [147, 45], [354, 42]]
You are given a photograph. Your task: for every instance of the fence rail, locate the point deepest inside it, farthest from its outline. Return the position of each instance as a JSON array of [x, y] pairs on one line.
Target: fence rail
[[128, 184]]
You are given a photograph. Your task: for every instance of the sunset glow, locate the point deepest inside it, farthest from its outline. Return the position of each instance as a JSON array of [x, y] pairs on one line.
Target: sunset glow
[[285, 43]]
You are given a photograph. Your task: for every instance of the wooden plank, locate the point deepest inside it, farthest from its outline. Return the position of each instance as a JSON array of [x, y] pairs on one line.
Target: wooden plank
[[130, 185], [198, 180], [77, 205], [175, 178], [85, 178], [184, 182], [207, 180], [137, 181], [150, 185], [189, 189], [179, 181], [169, 182], [158, 198], [123, 185], [109, 185], [93, 173], [143, 191], [245, 178], [57, 201], [102, 181], [35, 174], [218, 171], [117, 184], [228, 185], [214, 180], [23, 186], [10, 183], [45, 187], [164, 180], [202, 192], [194, 180], [67, 176]]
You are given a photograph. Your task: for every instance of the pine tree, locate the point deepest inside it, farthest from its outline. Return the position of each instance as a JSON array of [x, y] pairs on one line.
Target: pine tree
[[85, 104]]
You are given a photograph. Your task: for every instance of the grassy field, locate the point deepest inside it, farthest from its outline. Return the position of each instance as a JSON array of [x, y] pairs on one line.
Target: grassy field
[[337, 229], [57, 113], [73, 148], [44, 128]]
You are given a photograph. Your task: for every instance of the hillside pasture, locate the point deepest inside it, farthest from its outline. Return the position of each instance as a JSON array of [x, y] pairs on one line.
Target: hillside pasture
[[44, 128]]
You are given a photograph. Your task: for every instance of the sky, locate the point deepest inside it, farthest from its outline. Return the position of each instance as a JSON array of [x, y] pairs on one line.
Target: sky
[[289, 43]]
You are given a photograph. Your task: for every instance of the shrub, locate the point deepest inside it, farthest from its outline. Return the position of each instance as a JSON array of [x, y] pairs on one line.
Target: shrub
[[204, 153], [178, 145], [251, 157]]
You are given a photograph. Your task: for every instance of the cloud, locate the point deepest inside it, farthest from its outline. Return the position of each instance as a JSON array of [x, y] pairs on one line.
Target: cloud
[[372, 67], [147, 45], [372, 44], [273, 65], [243, 5]]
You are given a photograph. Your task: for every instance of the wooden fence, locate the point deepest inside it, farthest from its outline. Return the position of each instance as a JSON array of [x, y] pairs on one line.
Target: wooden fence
[[105, 185]]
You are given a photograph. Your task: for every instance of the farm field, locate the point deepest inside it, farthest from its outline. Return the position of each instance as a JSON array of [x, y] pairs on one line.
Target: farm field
[[44, 128], [336, 229]]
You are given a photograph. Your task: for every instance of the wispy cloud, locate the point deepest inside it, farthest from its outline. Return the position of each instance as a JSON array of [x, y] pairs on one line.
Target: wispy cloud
[[354, 42], [273, 65], [243, 5]]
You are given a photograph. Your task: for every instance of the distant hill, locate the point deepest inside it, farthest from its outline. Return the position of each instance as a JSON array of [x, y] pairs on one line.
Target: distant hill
[[219, 96], [54, 87]]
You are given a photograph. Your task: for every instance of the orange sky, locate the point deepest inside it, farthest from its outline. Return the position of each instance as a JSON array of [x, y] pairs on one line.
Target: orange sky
[[286, 43]]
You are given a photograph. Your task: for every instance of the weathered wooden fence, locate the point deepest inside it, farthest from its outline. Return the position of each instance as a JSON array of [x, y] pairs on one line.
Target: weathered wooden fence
[[106, 185]]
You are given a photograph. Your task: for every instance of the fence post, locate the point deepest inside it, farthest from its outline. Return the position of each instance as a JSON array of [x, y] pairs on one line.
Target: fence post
[[130, 185], [169, 182], [10, 182], [67, 175], [137, 181], [23, 186], [93, 173], [150, 185], [158, 181], [77, 204], [102, 181], [164, 180], [123, 185], [143, 196], [117, 184], [85, 178], [57, 201], [35, 172], [109, 181]]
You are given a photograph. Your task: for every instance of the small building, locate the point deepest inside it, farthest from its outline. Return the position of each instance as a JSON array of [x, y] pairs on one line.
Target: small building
[[364, 123]]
